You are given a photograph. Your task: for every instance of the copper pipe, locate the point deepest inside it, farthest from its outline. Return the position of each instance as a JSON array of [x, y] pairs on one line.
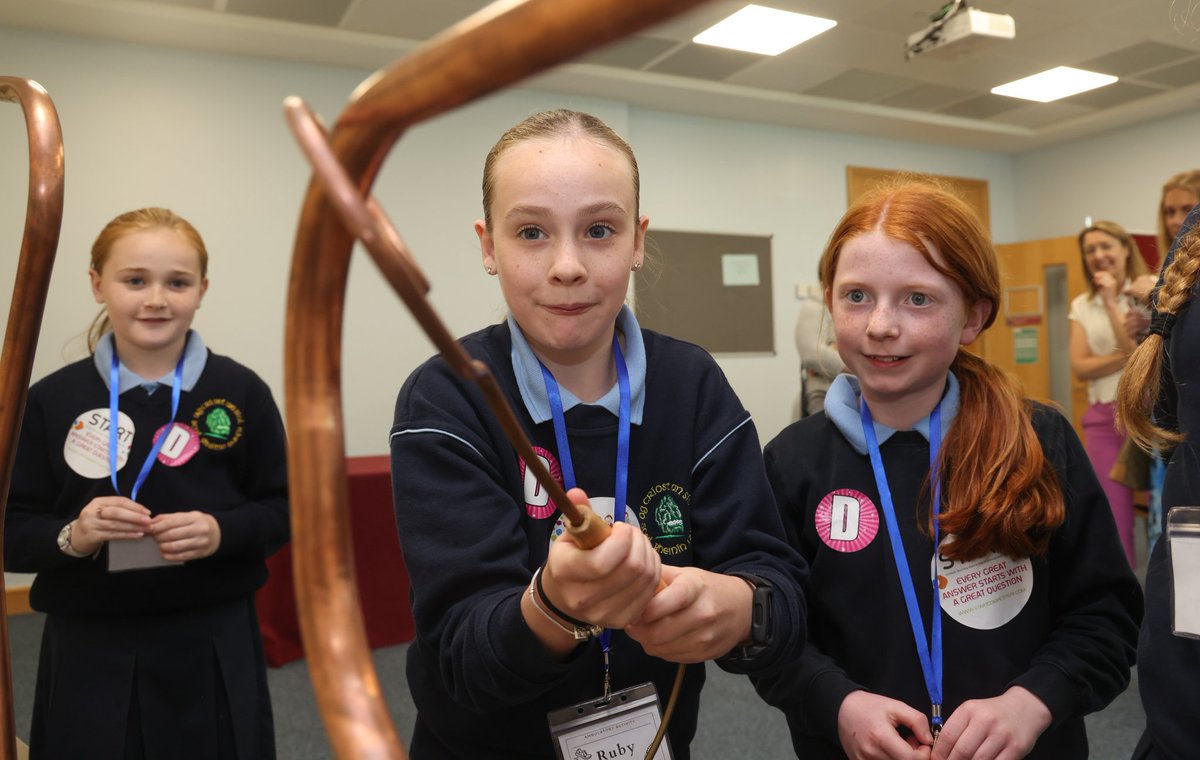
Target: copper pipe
[[486, 52], [43, 221]]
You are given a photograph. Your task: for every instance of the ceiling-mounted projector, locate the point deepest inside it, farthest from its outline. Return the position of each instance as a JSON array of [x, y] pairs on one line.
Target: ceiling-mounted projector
[[959, 32]]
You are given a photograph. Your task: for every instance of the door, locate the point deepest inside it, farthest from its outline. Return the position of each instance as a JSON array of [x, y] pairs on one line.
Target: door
[[1029, 336]]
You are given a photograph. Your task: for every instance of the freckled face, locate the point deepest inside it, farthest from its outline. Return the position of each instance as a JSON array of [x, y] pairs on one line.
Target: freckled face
[[899, 323], [1176, 204], [564, 238]]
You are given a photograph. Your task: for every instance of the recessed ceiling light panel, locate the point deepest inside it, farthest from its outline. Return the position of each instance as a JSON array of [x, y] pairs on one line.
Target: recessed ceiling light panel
[[1054, 84], [757, 29]]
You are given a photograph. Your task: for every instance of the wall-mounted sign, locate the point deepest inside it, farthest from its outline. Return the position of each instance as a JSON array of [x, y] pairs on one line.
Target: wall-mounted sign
[[1025, 345], [1023, 305]]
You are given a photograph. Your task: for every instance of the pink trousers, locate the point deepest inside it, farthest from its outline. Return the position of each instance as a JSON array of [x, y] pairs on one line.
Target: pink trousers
[[1103, 442]]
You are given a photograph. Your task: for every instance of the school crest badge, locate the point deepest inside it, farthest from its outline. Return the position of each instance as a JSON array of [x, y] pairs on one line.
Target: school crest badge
[[220, 423], [664, 516]]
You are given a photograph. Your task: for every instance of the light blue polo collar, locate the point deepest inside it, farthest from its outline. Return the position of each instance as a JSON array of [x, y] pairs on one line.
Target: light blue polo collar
[[841, 406], [533, 387], [195, 356]]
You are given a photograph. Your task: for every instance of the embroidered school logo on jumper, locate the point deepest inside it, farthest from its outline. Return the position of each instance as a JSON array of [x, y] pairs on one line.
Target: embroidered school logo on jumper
[[663, 514], [537, 501], [668, 515], [86, 447], [219, 423], [847, 520]]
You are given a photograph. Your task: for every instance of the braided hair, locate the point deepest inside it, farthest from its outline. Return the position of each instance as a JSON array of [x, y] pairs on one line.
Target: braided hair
[[1141, 381]]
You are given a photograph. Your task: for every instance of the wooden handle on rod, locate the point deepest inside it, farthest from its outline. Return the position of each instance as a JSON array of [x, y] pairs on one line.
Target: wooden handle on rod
[[43, 223], [488, 51]]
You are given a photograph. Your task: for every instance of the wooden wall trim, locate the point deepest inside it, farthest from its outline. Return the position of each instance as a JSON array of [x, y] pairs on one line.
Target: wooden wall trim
[[17, 600]]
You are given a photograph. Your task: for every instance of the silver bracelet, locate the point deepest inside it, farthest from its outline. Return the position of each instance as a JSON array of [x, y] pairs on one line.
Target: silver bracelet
[[579, 633]]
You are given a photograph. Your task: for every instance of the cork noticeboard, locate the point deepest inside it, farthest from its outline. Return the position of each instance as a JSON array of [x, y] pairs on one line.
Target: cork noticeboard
[[710, 289]]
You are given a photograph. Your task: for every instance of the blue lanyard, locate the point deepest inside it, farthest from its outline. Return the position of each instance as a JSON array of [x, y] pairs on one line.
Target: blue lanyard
[[930, 653], [568, 468], [564, 444], [114, 381]]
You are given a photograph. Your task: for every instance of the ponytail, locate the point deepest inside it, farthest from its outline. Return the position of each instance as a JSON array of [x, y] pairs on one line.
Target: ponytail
[[1000, 492]]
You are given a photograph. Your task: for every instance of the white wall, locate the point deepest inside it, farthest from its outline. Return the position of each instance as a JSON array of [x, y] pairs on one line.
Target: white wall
[[720, 176], [1116, 176], [204, 134]]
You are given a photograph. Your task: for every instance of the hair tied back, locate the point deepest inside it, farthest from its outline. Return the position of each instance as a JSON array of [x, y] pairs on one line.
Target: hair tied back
[[1161, 324]]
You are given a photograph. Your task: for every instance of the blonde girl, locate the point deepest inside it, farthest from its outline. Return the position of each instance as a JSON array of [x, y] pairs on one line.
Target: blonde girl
[[149, 487], [514, 621]]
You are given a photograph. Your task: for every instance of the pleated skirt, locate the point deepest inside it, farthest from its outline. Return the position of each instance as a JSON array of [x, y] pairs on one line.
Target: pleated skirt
[[187, 685]]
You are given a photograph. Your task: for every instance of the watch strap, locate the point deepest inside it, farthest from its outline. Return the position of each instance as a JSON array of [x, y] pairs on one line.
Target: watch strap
[[761, 616], [64, 542]]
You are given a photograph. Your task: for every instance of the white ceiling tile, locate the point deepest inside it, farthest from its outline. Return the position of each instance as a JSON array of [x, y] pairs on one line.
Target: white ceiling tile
[[1038, 115], [862, 86], [1115, 94], [1182, 74], [927, 97], [632, 52], [411, 19], [205, 4], [705, 62], [686, 26], [983, 106], [1128, 61], [858, 64], [319, 12], [775, 74]]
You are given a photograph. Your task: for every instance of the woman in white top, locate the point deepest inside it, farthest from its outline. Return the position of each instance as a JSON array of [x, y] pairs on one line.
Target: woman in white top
[[1099, 347]]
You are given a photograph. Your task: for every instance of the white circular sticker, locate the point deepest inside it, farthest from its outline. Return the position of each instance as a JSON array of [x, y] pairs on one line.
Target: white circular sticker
[[86, 447], [983, 593], [602, 506]]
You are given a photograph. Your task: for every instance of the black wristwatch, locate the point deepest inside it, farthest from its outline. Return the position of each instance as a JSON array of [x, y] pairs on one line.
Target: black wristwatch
[[761, 617]]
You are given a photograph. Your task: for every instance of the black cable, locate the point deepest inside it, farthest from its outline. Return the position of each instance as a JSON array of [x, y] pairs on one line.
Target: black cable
[[949, 11]]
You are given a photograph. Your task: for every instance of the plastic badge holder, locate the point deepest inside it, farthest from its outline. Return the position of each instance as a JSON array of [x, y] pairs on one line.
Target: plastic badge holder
[[1183, 551], [136, 554], [618, 727]]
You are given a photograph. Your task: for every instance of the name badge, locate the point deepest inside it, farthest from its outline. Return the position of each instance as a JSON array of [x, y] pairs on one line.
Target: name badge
[[1183, 550], [620, 726], [136, 554]]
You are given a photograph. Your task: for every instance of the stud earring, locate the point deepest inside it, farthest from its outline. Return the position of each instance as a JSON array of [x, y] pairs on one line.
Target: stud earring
[[490, 269], [637, 265]]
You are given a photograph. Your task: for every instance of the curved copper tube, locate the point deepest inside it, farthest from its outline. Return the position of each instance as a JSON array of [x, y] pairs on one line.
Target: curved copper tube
[[43, 221], [488, 51]]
